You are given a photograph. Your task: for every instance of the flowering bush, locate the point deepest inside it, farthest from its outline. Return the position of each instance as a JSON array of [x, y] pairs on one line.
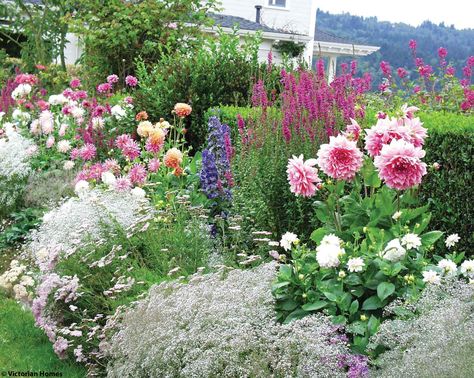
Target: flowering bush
[[215, 326], [373, 246]]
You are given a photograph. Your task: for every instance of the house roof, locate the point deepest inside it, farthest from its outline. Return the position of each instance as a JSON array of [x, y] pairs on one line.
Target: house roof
[[227, 21], [322, 36]]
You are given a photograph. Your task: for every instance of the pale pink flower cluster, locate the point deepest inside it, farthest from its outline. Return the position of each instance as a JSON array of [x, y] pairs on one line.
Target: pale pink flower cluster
[[340, 158], [406, 128], [302, 176]]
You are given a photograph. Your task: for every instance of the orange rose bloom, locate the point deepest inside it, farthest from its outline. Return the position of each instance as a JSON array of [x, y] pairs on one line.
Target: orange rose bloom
[[141, 116], [178, 171], [173, 158], [182, 110]]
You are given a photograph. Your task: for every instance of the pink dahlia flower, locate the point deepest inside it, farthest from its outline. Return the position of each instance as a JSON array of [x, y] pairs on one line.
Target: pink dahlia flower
[[75, 83], [131, 81], [122, 140], [112, 79], [353, 130], [122, 184], [87, 152], [154, 165], [302, 176], [340, 158], [383, 133], [399, 164], [415, 131], [131, 150], [137, 174], [112, 166]]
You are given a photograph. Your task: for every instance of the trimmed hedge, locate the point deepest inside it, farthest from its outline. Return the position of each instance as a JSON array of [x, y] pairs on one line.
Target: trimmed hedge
[[449, 190]]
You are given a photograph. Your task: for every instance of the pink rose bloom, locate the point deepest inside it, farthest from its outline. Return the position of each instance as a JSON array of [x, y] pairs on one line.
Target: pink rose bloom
[[50, 142], [104, 87], [112, 79], [43, 105], [154, 165], [131, 81], [302, 176], [75, 83], [399, 165], [340, 158], [416, 132], [353, 130], [87, 152], [137, 174]]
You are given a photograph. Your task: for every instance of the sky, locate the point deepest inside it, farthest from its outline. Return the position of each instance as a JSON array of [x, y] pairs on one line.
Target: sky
[[412, 12]]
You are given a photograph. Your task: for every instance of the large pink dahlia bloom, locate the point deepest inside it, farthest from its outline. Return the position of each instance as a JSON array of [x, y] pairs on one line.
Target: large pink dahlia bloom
[[399, 164], [383, 133], [340, 158], [302, 176]]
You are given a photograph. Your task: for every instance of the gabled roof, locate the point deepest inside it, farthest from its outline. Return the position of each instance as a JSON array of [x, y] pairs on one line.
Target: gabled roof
[[323, 36], [227, 21]]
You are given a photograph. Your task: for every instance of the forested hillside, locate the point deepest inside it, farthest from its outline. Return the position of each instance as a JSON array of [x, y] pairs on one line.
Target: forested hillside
[[393, 39]]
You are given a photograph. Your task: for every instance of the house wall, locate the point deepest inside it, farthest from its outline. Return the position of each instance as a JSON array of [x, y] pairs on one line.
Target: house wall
[[298, 17]]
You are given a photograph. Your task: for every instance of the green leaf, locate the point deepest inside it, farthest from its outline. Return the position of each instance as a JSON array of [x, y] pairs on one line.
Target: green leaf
[[279, 285], [332, 297], [339, 319], [345, 301], [385, 289], [297, 314], [288, 305], [318, 305], [318, 234], [285, 272], [430, 238], [373, 325], [372, 303], [354, 307]]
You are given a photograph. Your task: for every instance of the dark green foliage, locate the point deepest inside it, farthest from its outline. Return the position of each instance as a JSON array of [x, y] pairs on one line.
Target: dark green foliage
[[449, 190], [219, 72], [17, 226]]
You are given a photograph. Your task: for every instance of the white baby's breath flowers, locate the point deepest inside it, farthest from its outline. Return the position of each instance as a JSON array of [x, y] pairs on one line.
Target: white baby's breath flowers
[[64, 146], [138, 192], [68, 165], [449, 267], [411, 241], [108, 178], [396, 215], [287, 240], [356, 264], [431, 277], [394, 251], [81, 188], [451, 240], [467, 268]]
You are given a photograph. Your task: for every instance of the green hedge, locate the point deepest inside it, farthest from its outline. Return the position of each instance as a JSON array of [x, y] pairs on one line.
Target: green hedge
[[449, 190]]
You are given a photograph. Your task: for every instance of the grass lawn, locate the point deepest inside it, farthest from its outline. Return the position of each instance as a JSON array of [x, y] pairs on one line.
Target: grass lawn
[[23, 347]]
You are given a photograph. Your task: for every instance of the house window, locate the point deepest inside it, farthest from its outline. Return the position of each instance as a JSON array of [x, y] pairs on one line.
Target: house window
[[277, 3]]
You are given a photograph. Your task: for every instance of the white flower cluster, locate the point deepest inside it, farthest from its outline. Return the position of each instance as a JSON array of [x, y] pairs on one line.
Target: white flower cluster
[[394, 251], [215, 327], [82, 219], [437, 342], [288, 240], [15, 153], [17, 281], [329, 251], [21, 91]]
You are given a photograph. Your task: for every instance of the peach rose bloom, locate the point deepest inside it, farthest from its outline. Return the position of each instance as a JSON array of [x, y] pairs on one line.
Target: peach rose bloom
[[173, 158], [182, 110]]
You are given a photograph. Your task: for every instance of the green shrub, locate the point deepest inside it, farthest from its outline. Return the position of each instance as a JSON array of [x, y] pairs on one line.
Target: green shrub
[[219, 72], [449, 190]]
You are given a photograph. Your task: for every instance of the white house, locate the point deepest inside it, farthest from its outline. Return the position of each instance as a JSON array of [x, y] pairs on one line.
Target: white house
[[288, 20]]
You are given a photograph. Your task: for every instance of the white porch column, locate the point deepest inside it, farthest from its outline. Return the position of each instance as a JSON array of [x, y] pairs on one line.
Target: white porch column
[[332, 68]]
